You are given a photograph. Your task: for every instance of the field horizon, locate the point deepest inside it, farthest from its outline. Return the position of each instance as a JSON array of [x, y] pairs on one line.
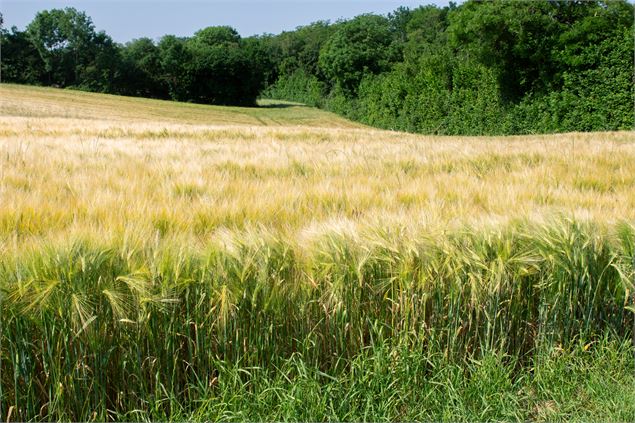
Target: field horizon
[[171, 261]]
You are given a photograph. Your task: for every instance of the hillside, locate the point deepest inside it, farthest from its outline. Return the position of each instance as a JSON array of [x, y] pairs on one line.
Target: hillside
[[25, 101], [169, 261], [80, 160]]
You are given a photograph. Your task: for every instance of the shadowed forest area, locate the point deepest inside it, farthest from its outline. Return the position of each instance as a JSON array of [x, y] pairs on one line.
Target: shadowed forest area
[[479, 68]]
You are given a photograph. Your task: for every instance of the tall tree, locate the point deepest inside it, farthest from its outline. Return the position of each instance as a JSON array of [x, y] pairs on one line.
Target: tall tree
[[363, 45], [141, 68], [174, 58], [221, 69], [20, 61], [64, 39], [515, 39]]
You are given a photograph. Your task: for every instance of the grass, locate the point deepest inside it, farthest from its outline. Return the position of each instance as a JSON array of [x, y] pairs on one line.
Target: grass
[[166, 261], [122, 172], [38, 102]]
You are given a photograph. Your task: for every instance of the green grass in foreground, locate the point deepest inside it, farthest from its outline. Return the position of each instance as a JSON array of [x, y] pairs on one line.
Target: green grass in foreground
[[584, 383], [526, 321], [108, 314]]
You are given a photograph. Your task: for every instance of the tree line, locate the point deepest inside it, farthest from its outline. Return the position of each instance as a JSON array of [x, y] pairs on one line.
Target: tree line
[[482, 67], [61, 48]]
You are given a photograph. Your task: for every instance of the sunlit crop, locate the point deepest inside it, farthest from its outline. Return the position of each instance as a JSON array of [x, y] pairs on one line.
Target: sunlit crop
[[148, 247]]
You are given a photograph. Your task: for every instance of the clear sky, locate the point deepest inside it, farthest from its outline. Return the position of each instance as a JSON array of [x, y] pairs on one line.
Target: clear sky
[[125, 20]]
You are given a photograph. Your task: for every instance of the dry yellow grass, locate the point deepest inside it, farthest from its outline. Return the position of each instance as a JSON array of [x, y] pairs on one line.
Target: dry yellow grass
[[17, 100], [126, 280], [106, 166]]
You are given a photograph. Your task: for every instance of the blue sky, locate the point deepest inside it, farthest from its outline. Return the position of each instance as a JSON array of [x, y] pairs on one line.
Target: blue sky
[[125, 20]]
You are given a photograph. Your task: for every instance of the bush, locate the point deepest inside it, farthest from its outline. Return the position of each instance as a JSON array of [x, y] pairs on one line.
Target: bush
[[298, 86]]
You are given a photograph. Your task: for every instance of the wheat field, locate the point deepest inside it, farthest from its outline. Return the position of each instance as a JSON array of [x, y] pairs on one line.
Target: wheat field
[[147, 245], [74, 163]]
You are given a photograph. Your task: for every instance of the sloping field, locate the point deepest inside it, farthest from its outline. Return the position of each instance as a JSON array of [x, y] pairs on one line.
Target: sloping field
[[24, 101], [74, 161], [166, 261]]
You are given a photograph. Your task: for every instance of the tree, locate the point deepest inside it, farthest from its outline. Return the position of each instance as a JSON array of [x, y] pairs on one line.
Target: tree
[[64, 39], [102, 69], [261, 63], [222, 69], [141, 69], [217, 36], [21, 63], [363, 45], [1, 39], [515, 39], [425, 31], [174, 58], [399, 20]]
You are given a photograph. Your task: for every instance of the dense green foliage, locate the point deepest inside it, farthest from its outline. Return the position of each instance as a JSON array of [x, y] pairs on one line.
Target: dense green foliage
[[337, 323], [484, 67], [492, 67], [61, 48]]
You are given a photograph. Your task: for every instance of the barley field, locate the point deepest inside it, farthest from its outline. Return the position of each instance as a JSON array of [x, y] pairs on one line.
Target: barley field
[[169, 261]]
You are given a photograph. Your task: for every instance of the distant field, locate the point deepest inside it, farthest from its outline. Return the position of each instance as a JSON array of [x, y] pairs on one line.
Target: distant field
[[36, 102], [146, 244], [104, 165]]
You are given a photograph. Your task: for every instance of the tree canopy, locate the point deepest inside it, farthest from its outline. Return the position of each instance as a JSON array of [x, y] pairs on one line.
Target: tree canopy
[[482, 67]]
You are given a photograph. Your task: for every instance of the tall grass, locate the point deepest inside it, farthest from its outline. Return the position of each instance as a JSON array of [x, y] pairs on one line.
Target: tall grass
[[117, 165], [165, 261], [97, 331]]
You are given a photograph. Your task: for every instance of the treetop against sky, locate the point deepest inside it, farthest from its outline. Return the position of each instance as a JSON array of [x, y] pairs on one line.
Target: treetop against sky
[[127, 20]]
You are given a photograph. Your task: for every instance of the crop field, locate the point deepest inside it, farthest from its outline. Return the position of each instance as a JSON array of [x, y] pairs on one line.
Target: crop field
[[171, 261]]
